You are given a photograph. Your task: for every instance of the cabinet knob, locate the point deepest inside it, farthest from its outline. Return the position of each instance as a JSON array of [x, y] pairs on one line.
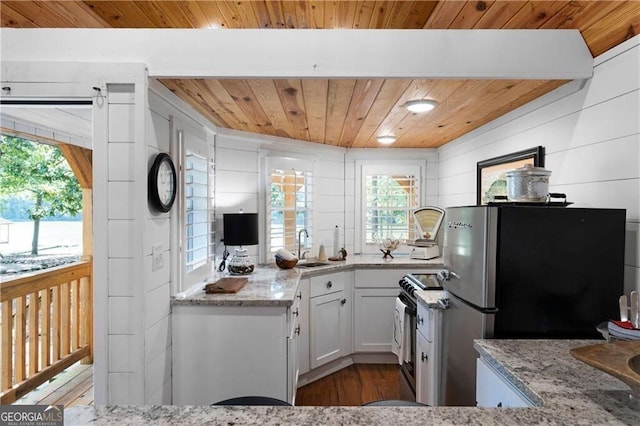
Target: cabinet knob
[[296, 313], [329, 284], [343, 301], [423, 356], [419, 319], [299, 296], [297, 330]]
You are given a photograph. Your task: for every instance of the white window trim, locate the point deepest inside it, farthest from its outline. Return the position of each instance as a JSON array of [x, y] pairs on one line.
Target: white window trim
[[180, 130], [385, 167], [276, 159]]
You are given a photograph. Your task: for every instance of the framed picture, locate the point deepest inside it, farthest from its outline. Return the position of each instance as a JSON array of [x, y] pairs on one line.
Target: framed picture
[[491, 180]]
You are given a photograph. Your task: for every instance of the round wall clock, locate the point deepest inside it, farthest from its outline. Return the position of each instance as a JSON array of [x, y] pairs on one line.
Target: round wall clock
[[162, 183]]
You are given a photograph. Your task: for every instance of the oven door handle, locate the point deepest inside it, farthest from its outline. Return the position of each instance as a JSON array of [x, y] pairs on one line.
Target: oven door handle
[[411, 308]]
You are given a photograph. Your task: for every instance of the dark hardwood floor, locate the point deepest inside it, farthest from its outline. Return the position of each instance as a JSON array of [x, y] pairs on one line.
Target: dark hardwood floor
[[351, 386], [354, 385]]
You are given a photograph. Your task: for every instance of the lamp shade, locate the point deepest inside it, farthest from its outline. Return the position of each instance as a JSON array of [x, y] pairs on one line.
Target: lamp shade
[[240, 229]]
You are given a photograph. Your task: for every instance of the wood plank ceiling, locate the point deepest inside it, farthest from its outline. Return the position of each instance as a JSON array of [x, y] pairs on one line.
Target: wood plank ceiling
[[347, 113]]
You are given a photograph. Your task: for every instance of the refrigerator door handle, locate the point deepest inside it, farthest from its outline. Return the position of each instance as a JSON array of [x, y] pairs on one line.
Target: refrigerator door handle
[[480, 309], [446, 275], [443, 303]]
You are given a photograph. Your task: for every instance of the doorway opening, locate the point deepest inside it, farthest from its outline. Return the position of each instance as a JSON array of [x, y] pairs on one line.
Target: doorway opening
[[46, 311]]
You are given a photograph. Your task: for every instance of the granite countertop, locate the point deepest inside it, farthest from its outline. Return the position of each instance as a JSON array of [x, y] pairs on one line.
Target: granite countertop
[[431, 298], [566, 390], [271, 286]]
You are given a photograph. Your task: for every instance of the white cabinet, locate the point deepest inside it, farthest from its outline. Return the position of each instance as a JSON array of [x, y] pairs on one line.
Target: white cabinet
[[221, 352], [425, 385], [303, 320], [330, 317], [293, 366], [374, 306], [494, 390], [428, 355], [373, 320]]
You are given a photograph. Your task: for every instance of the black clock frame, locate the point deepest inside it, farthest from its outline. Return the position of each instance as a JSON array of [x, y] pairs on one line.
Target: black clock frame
[[154, 196]]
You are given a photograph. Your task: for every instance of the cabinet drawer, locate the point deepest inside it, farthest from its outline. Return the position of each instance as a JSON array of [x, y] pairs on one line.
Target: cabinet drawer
[[425, 322], [327, 284]]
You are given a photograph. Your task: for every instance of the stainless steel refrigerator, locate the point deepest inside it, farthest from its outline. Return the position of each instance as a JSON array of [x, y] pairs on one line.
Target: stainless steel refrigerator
[[516, 271]]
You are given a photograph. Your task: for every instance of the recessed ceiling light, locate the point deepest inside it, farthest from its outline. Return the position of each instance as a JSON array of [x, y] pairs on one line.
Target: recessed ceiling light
[[386, 139], [420, 105]]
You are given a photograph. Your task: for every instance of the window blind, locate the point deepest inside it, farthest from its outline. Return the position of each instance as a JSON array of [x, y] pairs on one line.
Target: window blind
[[289, 208], [197, 227], [389, 202]]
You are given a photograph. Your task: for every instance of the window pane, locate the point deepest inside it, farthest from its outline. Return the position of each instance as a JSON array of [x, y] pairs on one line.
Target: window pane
[[197, 212], [388, 202], [289, 208]]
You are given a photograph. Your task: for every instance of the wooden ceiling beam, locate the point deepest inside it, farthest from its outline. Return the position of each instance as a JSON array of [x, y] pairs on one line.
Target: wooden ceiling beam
[[176, 53], [80, 160]]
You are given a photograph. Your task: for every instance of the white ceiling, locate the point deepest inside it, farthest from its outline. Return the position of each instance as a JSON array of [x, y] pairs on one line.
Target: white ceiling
[[60, 123]]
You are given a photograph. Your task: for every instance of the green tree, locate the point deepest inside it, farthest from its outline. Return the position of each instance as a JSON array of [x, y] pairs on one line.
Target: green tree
[[42, 172]]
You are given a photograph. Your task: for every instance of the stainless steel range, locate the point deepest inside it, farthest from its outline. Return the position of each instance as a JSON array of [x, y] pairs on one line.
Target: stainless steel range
[[409, 285]]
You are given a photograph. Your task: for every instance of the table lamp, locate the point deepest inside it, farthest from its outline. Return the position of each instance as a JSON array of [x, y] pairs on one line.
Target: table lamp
[[240, 229]]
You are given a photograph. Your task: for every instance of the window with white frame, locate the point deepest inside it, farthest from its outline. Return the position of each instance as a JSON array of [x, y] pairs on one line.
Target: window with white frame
[[195, 227], [289, 207], [197, 211], [389, 195]]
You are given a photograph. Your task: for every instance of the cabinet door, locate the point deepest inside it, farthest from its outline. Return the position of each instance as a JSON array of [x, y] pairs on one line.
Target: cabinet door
[[303, 320], [494, 390], [292, 362], [329, 333], [224, 351], [374, 315], [425, 377]]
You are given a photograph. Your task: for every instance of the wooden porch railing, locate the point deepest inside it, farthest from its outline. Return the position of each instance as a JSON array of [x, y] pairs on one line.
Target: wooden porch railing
[[46, 323]]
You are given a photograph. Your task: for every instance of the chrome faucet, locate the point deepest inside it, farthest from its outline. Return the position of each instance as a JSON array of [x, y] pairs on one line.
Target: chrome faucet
[[306, 235]]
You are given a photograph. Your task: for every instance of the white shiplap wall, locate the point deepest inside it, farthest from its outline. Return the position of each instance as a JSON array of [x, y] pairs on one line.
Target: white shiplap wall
[[427, 159], [592, 143], [157, 289], [239, 158], [165, 110], [125, 300]]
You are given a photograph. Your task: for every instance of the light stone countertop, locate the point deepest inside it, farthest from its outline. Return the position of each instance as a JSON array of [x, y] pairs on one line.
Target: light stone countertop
[[430, 298], [270, 286], [567, 391]]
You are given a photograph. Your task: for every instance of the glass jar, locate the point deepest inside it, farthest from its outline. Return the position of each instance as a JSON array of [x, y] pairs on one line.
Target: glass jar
[[240, 263]]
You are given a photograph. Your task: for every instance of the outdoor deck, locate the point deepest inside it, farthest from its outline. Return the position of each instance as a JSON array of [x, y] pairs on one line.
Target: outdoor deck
[[74, 386]]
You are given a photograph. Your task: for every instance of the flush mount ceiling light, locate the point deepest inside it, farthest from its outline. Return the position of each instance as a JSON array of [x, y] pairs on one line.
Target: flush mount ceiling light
[[420, 105], [386, 139]]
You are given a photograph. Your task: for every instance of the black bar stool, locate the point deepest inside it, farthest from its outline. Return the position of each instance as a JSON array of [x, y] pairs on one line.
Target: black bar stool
[[253, 400], [393, 403]]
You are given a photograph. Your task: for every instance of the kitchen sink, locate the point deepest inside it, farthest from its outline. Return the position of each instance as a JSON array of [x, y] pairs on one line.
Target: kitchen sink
[[311, 264]]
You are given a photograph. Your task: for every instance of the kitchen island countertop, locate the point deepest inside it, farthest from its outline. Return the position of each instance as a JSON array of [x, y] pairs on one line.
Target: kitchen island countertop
[[567, 391], [271, 286]]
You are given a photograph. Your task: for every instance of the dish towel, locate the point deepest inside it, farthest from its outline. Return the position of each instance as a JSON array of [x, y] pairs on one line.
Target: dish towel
[[399, 347]]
